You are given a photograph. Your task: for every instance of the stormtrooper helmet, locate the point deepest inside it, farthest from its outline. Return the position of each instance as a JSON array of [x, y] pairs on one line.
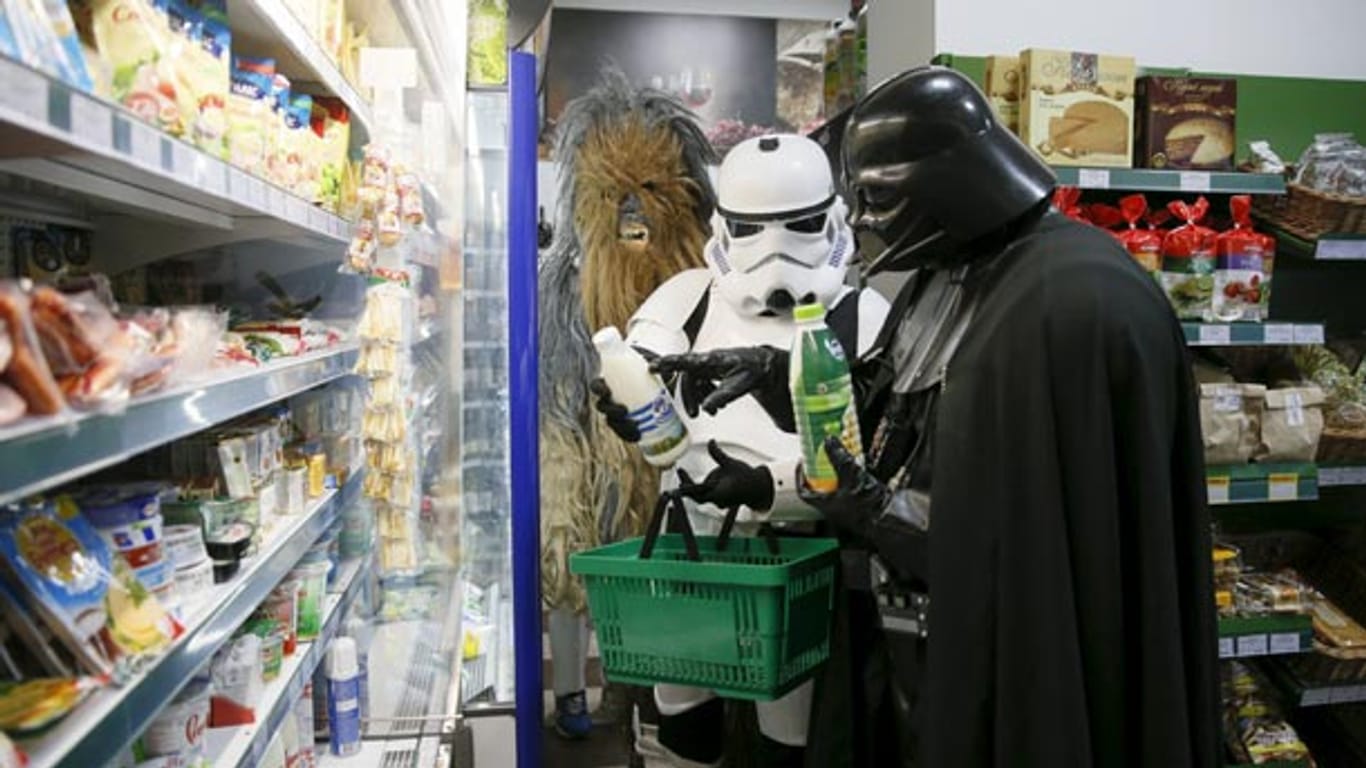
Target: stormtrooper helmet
[[779, 233]]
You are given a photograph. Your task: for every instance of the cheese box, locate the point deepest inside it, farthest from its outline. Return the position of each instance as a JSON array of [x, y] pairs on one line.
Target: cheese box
[[1186, 122], [1003, 89], [1078, 108]]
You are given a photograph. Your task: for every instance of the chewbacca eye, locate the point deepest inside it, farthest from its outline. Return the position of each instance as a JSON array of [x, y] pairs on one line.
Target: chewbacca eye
[[648, 186]]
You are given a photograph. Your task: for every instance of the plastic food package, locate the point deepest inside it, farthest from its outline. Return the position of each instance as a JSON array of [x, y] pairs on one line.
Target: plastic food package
[[135, 40], [71, 62], [237, 682], [1334, 163], [249, 112], [276, 151], [301, 169], [206, 70], [1242, 277], [1291, 424], [331, 121], [1144, 245], [1335, 628], [179, 730], [26, 34], [1067, 201], [1188, 261], [28, 372], [32, 705], [1280, 592], [1345, 404], [1230, 421], [84, 347], [410, 198]]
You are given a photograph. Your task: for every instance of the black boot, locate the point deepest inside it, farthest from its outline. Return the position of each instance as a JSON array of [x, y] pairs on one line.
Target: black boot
[[698, 734], [775, 754]]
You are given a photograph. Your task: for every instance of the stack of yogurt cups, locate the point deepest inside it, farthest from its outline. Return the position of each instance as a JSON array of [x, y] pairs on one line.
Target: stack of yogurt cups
[[128, 517]]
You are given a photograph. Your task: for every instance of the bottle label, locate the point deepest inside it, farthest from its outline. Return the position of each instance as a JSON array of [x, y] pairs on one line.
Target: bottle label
[[343, 714], [660, 428], [823, 403]]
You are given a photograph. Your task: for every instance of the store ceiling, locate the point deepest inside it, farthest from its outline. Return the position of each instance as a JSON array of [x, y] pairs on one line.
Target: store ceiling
[[775, 9]]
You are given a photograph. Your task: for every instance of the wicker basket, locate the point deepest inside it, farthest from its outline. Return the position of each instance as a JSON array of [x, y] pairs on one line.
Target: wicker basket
[[1309, 214]]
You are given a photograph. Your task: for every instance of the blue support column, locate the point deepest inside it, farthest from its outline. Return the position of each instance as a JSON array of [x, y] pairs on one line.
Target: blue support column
[[524, 426]]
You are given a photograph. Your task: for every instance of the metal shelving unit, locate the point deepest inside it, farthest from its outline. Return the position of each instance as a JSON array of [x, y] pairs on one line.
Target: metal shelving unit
[[39, 454], [1147, 180], [114, 716]]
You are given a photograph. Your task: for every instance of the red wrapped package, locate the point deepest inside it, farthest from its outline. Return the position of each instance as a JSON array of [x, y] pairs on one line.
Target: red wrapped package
[[1188, 262], [1145, 245], [1067, 201], [1107, 217], [1242, 278]]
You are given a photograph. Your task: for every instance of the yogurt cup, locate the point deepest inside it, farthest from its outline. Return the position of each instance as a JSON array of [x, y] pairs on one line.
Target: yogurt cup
[[179, 729], [133, 535], [156, 575], [141, 557], [194, 580], [184, 545], [312, 578], [111, 506]]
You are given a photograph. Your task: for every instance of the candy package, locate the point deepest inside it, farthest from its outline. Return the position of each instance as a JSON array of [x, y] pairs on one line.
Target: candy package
[[1242, 277], [1188, 261], [1144, 245]]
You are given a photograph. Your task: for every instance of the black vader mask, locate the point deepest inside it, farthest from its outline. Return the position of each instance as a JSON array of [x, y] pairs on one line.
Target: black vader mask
[[928, 169]]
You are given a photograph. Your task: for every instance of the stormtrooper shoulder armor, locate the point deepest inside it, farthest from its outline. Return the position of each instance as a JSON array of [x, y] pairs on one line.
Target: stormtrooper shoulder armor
[[658, 326]]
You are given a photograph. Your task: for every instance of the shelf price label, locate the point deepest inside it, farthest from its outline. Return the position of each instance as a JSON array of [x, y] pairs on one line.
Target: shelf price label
[[1195, 181], [91, 122], [1217, 489], [1278, 333], [1215, 335], [1282, 487], [1285, 642], [1252, 645], [1226, 650], [23, 91], [1093, 178], [1308, 334]]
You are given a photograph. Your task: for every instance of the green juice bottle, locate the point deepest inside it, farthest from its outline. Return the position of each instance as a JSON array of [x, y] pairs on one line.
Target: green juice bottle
[[822, 396]]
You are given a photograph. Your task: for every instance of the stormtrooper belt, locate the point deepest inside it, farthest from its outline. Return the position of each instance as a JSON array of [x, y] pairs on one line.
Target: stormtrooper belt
[[902, 611]]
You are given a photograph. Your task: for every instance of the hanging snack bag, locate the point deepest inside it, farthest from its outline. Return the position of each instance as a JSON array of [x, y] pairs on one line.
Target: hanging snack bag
[[1145, 245], [1231, 421], [410, 198], [1241, 279], [249, 113], [1188, 261], [332, 122], [1291, 424], [375, 178]]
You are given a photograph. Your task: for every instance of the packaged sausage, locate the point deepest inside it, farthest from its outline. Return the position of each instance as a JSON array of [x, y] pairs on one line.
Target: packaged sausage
[[28, 372], [1242, 281], [84, 346], [1188, 261]]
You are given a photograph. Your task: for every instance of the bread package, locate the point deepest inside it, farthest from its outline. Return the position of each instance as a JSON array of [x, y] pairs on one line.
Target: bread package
[[1230, 421], [1078, 108], [1292, 422], [1003, 89], [1186, 122], [1188, 262]]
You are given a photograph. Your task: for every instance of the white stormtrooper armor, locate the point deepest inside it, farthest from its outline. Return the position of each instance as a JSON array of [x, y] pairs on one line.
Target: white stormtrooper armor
[[780, 239]]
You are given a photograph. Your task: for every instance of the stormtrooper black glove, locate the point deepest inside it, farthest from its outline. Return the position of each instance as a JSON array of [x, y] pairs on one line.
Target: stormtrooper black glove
[[618, 418], [760, 371], [732, 484]]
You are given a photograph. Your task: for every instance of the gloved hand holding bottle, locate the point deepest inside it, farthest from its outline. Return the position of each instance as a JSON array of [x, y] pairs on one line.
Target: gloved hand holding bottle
[[710, 381]]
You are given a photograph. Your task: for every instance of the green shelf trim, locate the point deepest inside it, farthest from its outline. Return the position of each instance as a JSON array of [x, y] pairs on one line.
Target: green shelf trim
[[1252, 483], [1252, 334], [1147, 180], [1250, 625], [1244, 637]]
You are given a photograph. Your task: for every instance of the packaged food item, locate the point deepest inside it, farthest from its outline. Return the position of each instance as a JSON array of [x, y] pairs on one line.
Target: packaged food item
[[1003, 89], [249, 112], [410, 198], [487, 34], [179, 729], [1280, 592], [312, 581], [343, 696], [375, 177], [331, 121], [32, 705], [192, 581], [822, 396], [208, 72], [332, 28], [134, 38], [282, 606], [1291, 424], [1230, 421], [237, 682], [303, 715], [1078, 108], [28, 372], [389, 220], [71, 59], [83, 346], [230, 542], [1186, 122], [1268, 740], [12, 406], [1144, 244], [301, 167], [1188, 262], [184, 545], [1334, 628], [1333, 163], [277, 150], [27, 35], [1242, 281]]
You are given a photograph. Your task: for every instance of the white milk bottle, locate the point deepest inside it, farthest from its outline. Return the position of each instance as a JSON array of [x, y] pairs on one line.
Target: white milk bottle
[[663, 437]]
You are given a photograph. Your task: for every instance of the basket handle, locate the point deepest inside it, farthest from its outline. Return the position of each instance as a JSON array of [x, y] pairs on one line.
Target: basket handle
[[670, 502]]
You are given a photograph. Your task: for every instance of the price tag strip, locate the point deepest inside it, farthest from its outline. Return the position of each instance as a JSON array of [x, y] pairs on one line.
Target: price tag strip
[[1217, 489], [1285, 642], [1252, 645], [1283, 487], [1093, 178], [1215, 335], [1195, 181], [1226, 649], [1278, 333], [23, 91]]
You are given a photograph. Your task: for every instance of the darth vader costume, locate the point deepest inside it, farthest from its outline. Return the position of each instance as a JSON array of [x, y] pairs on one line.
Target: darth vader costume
[[1032, 501]]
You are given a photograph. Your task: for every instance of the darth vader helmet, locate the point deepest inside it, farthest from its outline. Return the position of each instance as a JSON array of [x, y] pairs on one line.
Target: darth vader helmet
[[780, 235], [929, 169]]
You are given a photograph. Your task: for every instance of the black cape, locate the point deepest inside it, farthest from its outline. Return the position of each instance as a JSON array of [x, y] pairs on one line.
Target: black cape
[[1072, 609]]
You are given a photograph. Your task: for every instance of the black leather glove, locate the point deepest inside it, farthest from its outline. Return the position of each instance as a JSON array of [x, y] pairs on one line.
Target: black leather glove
[[856, 504], [761, 371], [731, 484], [618, 418]]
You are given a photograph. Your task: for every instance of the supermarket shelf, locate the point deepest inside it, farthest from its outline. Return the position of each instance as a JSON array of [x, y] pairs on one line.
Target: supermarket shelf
[[1243, 637], [1341, 476], [120, 165], [113, 717], [1145, 180], [246, 745], [1256, 483], [38, 454], [269, 28], [1330, 247], [1251, 334], [1303, 692]]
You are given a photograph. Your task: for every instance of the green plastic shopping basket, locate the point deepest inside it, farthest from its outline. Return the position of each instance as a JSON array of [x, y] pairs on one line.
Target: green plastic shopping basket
[[749, 618]]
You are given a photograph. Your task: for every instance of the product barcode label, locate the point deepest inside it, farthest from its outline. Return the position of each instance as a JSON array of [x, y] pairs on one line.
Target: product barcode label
[[1215, 334], [1194, 181], [91, 122], [1226, 648], [1308, 334], [1217, 490], [1093, 178], [1278, 333], [1283, 487], [1285, 642], [23, 91], [1252, 645]]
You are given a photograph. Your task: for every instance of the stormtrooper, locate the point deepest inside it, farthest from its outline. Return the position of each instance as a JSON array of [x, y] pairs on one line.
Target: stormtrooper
[[1033, 501], [779, 239]]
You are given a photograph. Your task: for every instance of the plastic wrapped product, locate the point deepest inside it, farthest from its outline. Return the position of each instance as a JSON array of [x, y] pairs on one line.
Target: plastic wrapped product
[[83, 345], [1230, 421], [237, 682], [135, 40], [28, 372], [1291, 424], [249, 112], [1143, 244], [1281, 592], [1188, 262], [32, 705], [1242, 279]]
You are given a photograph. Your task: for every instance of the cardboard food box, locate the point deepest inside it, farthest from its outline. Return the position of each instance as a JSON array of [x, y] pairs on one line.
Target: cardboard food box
[[1003, 89], [1186, 122], [1078, 108]]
